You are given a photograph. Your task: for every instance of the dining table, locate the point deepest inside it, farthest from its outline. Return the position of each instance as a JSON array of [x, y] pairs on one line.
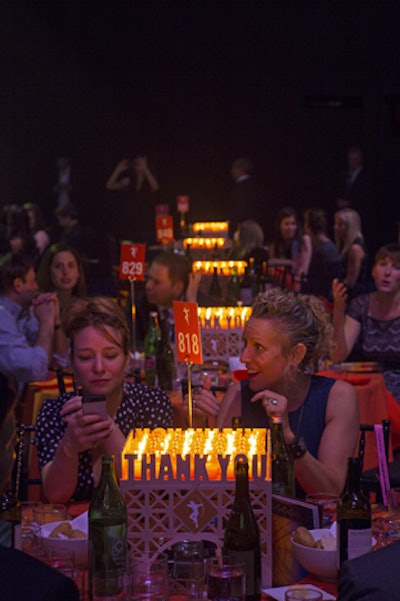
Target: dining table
[[374, 403]]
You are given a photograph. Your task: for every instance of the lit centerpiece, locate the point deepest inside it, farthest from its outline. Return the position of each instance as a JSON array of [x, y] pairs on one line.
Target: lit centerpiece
[[224, 268], [209, 243], [179, 484], [223, 318], [211, 228], [199, 454]]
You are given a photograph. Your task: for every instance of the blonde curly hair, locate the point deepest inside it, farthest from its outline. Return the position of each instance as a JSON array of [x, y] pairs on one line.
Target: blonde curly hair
[[298, 318]]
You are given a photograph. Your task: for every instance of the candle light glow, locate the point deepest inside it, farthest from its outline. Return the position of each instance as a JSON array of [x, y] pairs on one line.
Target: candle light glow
[[223, 318]]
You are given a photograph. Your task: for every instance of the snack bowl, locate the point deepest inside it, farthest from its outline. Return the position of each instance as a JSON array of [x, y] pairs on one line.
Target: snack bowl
[[64, 545], [320, 562]]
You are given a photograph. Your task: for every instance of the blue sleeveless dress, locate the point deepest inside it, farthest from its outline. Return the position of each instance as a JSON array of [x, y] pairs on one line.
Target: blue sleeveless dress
[[312, 422]]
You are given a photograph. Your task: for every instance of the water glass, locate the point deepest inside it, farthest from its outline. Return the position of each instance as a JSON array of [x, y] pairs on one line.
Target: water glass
[[327, 503], [184, 589], [225, 580], [148, 578]]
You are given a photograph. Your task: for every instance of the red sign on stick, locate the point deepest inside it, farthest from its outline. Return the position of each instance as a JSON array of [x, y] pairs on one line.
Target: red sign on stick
[[164, 229], [131, 265], [182, 204], [187, 332], [162, 210]]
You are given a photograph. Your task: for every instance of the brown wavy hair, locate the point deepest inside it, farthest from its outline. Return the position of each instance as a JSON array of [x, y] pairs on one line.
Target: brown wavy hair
[[99, 312]]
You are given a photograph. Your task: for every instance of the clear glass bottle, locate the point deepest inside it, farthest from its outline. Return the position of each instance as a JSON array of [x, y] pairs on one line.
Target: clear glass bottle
[[107, 526], [249, 285], [353, 514], [242, 536], [151, 344], [283, 482]]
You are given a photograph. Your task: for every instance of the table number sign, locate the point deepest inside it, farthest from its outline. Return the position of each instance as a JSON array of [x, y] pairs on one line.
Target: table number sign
[[187, 332], [182, 204], [132, 257], [164, 229]]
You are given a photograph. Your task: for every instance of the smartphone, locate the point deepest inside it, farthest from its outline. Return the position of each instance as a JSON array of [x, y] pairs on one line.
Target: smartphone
[[95, 403]]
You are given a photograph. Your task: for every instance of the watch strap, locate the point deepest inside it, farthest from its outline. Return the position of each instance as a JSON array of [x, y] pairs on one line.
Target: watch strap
[[297, 448]]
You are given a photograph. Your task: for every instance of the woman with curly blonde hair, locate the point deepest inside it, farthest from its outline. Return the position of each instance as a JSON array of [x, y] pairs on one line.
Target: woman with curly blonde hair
[[285, 337]]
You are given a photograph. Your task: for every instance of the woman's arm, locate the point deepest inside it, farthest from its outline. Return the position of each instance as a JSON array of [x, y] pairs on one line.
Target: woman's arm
[[327, 472], [60, 475], [355, 257], [346, 329], [303, 261], [115, 182]]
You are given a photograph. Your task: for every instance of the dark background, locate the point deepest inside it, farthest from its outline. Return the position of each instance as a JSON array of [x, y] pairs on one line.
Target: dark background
[[194, 84]]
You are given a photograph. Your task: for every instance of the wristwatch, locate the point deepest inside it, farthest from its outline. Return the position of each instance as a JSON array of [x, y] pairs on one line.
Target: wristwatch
[[297, 448]]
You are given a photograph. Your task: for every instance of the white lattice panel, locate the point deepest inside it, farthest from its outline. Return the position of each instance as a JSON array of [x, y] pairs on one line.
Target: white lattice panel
[[219, 345], [191, 510]]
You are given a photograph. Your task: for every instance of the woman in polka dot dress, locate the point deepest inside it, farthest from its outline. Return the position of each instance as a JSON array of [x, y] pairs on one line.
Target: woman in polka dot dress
[[70, 444]]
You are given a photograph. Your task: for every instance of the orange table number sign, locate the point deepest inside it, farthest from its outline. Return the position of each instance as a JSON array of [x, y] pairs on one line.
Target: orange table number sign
[[182, 204], [164, 229], [187, 333], [131, 265]]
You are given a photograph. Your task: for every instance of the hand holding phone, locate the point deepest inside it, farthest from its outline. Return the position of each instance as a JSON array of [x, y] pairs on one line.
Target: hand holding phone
[[95, 404]]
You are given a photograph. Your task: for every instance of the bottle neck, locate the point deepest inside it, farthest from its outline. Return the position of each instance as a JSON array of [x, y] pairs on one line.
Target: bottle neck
[[353, 477], [242, 482]]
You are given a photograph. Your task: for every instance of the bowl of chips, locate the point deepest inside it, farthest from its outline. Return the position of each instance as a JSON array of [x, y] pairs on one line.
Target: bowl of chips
[[66, 537], [315, 550]]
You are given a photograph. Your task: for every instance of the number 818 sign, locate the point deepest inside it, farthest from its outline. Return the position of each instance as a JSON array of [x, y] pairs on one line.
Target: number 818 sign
[[187, 332]]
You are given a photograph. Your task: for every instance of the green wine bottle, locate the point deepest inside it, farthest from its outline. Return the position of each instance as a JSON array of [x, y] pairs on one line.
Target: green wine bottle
[[353, 514], [242, 537], [151, 343], [107, 528], [282, 465], [166, 368]]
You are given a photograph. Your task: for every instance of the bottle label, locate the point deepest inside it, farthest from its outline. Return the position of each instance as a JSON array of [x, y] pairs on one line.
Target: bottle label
[[149, 362], [108, 543], [358, 542]]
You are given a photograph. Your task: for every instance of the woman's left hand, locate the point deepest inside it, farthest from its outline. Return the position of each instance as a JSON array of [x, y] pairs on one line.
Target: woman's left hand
[[273, 403]]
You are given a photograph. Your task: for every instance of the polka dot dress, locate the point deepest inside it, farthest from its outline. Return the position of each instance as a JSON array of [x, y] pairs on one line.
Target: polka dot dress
[[141, 407]]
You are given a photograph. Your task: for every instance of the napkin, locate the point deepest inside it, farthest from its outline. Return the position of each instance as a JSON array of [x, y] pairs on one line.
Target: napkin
[[78, 523]]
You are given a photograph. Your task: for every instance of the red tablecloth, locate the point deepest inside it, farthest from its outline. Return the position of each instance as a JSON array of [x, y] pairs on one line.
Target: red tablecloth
[[374, 401]]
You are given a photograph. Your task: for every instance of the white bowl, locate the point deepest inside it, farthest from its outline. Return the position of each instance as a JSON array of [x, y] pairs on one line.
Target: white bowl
[[320, 562], [79, 546]]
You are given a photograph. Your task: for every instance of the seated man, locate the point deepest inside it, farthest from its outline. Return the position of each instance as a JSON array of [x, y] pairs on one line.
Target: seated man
[[169, 278], [29, 325], [371, 577]]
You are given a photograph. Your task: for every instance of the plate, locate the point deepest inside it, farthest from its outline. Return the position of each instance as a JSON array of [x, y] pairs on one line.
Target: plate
[[358, 366], [278, 593]]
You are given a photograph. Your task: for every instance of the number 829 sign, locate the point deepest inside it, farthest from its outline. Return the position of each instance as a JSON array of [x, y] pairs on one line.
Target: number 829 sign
[[187, 332]]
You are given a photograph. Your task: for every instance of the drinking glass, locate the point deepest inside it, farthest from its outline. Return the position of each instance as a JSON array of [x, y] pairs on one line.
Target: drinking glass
[[184, 589], [327, 503], [300, 593], [393, 531], [225, 579], [148, 578]]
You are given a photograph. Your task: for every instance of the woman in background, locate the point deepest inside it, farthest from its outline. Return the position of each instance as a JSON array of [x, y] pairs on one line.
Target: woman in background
[[71, 443], [37, 226], [324, 265], [352, 251], [290, 242], [285, 337], [61, 270], [249, 242]]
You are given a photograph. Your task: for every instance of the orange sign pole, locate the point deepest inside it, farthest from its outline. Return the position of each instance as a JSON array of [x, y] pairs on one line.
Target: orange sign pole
[[188, 342]]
